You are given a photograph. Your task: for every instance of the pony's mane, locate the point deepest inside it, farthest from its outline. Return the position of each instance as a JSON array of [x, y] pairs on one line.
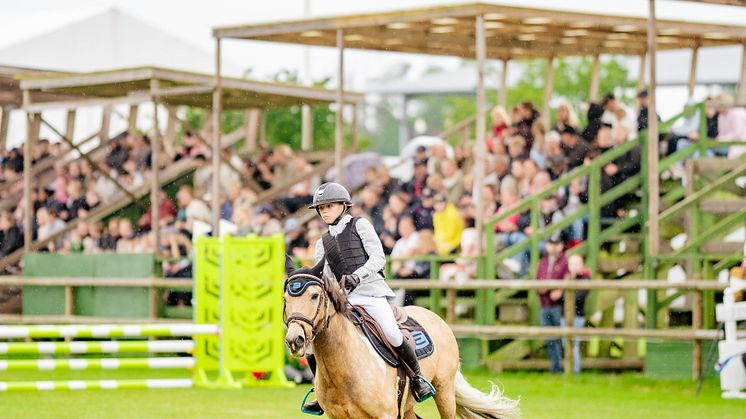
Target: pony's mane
[[337, 297]]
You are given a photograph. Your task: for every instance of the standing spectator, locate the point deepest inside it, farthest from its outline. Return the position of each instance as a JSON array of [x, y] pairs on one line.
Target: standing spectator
[[372, 207], [577, 271], [202, 179], [448, 226], [552, 266], [191, 208], [616, 114], [166, 213]]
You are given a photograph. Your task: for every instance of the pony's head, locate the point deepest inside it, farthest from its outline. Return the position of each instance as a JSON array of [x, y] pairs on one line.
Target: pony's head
[[310, 302]]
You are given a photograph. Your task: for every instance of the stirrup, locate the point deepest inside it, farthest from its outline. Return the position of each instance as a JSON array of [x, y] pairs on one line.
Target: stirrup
[[303, 405], [427, 395]]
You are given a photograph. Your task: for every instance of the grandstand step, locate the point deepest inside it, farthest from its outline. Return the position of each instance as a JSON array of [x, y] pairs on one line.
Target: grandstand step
[[720, 247], [716, 165], [513, 351], [616, 263], [717, 206]]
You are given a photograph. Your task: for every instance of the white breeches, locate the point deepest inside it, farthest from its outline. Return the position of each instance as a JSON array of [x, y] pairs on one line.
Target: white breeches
[[380, 310]]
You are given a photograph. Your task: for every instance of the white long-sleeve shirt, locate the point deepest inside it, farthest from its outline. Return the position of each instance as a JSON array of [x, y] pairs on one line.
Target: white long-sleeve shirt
[[371, 282]]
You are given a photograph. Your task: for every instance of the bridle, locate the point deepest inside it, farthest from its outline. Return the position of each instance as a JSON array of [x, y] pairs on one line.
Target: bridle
[[297, 285]]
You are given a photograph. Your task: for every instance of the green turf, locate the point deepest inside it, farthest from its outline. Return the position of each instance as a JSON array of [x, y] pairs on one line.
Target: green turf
[[543, 396]]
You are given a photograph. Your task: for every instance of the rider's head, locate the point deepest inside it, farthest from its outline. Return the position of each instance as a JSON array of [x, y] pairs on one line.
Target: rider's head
[[331, 200]]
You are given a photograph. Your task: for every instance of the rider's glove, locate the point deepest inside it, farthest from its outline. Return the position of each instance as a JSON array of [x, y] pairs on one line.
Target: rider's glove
[[350, 282]]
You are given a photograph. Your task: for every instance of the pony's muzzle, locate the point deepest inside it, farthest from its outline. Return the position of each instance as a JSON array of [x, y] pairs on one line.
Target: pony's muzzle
[[296, 340]]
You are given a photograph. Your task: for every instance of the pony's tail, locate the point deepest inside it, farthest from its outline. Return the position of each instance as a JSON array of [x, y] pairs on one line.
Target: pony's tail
[[473, 404]]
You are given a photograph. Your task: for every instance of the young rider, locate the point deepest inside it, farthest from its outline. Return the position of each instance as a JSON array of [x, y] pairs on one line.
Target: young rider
[[352, 253]]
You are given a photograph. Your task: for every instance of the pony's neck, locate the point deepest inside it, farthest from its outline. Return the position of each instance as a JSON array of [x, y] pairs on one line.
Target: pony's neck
[[337, 347]]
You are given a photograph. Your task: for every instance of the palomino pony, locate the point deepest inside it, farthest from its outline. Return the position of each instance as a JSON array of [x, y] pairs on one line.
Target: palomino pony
[[352, 381]]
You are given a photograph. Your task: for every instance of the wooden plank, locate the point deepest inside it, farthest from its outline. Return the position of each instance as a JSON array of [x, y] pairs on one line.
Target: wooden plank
[[693, 72], [503, 92], [505, 331], [653, 189], [338, 120], [132, 118], [4, 122], [155, 186], [103, 282], [217, 101], [717, 206], [480, 146], [544, 364], [32, 138], [596, 284], [741, 93], [595, 78], [22, 319]]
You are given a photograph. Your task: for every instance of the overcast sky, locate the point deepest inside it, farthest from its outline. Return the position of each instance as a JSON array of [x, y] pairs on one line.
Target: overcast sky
[[192, 21]]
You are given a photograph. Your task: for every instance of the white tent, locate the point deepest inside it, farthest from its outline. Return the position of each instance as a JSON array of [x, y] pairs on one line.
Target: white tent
[[104, 41], [111, 39]]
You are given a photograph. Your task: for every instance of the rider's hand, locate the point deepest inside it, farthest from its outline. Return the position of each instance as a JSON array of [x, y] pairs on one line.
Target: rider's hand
[[350, 282]]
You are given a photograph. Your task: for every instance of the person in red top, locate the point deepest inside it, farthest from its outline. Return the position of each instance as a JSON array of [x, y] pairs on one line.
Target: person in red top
[[552, 266]]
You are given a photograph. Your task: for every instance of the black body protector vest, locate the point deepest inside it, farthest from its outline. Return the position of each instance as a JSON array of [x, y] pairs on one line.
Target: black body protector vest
[[345, 252]]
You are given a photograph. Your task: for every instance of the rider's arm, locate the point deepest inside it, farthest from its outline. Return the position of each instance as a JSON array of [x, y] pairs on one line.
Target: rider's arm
[[372, 244]]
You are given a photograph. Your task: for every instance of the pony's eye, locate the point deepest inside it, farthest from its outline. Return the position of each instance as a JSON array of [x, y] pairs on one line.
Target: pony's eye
[[314, 297]]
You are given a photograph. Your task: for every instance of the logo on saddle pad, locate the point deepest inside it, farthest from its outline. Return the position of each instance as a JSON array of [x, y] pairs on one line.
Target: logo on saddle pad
[[417, 337]]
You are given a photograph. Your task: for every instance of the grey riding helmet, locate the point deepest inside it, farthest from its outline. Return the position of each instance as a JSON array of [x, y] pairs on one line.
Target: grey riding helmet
[[328, 193]]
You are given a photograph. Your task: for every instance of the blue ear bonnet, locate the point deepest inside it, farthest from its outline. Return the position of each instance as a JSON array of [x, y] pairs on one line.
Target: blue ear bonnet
[[297, 286]]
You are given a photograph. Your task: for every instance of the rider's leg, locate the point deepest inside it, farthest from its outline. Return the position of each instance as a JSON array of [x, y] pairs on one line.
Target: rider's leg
[[380, 310]]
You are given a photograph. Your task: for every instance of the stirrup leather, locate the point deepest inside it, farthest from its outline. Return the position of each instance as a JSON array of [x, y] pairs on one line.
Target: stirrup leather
[[310, 412]]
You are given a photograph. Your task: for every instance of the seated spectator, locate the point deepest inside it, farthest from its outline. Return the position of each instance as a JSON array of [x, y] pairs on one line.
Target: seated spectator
[[49, 225], [423, 211], [566, 117], [295, 241], [264, 223], [190, 208], [616, 172], [419, 181], [500, 124], [731, 126], [406, 247], [118, 154], [422, 267], [75, 200], [595, 113], [202, 179], [11, 237], [508, 230], [517, 147], [452, 180], [575, 148], [127, 242], [448, 226], [616, 115], [166, 213], [300, 195], [108, 240]]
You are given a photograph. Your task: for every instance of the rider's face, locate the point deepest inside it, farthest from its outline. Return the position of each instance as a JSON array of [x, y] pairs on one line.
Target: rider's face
[[330, 212]]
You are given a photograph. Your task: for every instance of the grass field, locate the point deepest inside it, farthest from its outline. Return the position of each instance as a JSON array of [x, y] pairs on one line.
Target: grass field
[[543, 396]]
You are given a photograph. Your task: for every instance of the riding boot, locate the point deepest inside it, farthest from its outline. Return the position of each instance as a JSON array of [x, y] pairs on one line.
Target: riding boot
[[312, 407], [421, 388]]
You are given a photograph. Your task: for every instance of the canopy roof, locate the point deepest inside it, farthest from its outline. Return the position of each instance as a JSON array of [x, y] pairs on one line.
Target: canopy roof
[[511, 32], [175, 87]]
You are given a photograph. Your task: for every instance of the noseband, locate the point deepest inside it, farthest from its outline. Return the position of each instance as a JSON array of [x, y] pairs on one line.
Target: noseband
[[297, 285]]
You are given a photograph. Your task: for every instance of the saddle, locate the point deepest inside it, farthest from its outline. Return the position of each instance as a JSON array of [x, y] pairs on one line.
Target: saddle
[[417, 336]]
